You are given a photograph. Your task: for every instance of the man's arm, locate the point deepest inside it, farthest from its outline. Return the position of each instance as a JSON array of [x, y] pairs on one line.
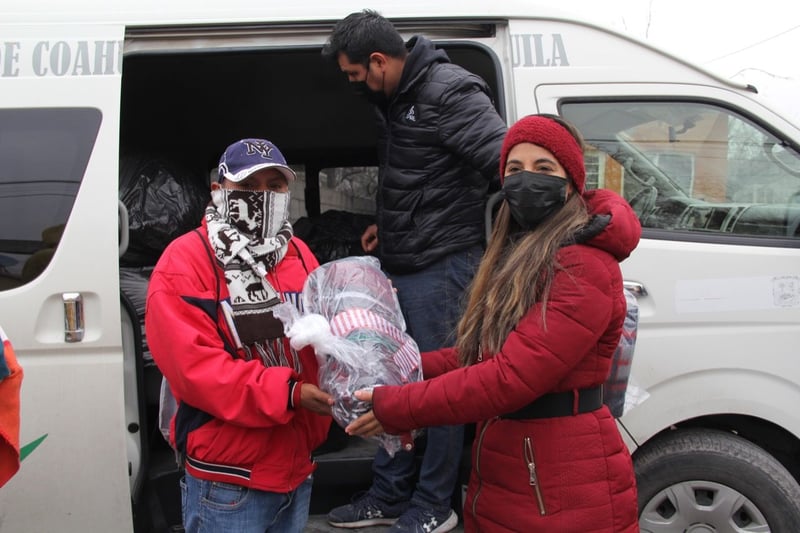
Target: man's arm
[[470, 126]]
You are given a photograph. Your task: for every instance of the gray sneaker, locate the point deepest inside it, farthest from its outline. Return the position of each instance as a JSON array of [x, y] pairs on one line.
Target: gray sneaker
[[419, 520], [366, 510]]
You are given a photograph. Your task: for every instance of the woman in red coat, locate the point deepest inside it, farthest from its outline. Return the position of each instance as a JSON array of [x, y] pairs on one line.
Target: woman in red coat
[[534, 347]]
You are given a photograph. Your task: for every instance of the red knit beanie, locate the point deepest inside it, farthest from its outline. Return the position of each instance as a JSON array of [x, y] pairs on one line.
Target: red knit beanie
[[551, 135]]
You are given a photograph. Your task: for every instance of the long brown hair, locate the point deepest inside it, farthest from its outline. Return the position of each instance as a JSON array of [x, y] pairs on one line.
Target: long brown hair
[[516, 272]]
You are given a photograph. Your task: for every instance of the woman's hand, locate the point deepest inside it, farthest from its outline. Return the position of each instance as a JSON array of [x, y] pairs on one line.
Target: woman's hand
[[365, 425]]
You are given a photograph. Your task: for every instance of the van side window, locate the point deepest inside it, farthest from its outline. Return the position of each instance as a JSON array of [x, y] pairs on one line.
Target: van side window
[[332, 224], [350, 189], [692, 167], [44, 153]]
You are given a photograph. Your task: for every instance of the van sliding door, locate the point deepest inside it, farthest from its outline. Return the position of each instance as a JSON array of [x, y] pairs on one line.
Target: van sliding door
[[59, 284]]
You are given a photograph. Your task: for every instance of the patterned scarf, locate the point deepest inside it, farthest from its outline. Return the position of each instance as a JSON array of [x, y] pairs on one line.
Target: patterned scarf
[[249, 233]]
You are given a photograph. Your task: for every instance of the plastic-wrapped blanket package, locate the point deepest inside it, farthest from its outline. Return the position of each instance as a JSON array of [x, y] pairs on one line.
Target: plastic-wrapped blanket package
[[352, 319], [620, 391]]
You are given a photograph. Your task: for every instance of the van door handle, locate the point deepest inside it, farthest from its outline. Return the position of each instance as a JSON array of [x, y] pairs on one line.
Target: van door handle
[[123, 228], [73, 316], [635, 287]]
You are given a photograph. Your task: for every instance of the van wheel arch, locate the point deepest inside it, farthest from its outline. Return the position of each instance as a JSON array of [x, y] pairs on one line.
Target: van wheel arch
[[714, 474], [776, 440]]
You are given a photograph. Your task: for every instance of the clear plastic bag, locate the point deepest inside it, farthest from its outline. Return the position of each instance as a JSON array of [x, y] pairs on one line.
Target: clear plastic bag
[[620, 391], [353, 321], [167, 408], [635, 394]]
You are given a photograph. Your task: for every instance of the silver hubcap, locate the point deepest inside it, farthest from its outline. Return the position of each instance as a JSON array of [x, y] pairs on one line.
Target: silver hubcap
[[701, 507]]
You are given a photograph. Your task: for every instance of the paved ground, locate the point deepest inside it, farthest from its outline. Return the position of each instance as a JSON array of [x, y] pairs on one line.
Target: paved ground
[[318, 524]]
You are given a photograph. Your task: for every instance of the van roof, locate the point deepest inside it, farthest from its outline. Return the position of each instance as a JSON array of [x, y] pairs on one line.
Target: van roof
[[316, 15], [158, 12]]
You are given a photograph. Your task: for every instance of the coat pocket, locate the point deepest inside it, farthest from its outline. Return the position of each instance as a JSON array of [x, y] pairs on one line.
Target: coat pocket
[[533, 477]]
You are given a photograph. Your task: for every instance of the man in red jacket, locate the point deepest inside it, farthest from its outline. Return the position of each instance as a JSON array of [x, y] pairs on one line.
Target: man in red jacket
[[249, 409]]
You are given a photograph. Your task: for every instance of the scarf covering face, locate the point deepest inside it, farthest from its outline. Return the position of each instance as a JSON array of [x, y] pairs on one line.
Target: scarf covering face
[[249, 232]]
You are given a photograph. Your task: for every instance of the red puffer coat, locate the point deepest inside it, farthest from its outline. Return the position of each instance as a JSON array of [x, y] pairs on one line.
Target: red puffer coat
[[583, 471]]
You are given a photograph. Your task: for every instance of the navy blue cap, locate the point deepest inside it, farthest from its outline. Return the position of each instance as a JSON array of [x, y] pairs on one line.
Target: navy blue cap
[[244, 157]]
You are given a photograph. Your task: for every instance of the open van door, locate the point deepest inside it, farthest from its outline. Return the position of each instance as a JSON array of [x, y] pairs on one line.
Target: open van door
[[59, 282]]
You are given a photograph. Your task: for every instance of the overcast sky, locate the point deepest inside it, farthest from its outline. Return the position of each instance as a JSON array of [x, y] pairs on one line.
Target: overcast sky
[[750, 42]]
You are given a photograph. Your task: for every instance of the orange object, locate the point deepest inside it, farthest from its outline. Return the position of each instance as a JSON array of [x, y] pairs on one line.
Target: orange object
[[9, 413]]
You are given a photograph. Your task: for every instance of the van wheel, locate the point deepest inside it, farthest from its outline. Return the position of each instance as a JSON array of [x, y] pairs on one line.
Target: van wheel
[[701, 480]]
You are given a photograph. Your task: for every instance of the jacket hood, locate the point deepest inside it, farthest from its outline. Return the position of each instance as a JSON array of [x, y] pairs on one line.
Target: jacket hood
[[422, 53], [621, 235]]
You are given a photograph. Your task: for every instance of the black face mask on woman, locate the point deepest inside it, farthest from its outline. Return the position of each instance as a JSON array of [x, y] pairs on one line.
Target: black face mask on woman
[[533, 197]]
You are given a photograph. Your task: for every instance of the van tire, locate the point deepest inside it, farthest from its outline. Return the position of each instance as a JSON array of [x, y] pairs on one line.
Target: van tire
[[681, 473]]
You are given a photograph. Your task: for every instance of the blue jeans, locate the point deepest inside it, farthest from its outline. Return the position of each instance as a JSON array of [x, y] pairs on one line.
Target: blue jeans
[[431, 300], [211, 507]]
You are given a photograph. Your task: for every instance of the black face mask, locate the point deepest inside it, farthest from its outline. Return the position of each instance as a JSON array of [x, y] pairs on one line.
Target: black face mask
[[533, 197], [361, 88]]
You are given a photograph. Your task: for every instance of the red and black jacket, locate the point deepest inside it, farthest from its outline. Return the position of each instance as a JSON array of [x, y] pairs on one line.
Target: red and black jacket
[[235, 422]]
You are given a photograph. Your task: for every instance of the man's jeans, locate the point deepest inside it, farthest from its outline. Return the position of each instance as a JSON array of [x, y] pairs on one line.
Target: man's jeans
[[212, 507], [431, 300]]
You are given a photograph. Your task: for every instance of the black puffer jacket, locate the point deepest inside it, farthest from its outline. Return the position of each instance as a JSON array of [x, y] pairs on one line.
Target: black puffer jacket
[[439, 147]]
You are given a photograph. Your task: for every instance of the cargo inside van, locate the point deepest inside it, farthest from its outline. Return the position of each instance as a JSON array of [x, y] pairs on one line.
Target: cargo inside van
[[188, 101], [182, 103]]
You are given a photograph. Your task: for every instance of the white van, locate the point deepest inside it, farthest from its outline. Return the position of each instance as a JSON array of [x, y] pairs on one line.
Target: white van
[[113, 113]]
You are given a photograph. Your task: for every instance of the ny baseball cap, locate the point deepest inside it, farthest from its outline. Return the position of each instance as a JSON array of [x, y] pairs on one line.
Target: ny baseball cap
[[246, 156]]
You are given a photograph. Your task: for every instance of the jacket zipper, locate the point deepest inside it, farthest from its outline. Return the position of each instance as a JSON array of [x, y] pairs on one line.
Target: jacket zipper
[[478, 468], [533, 478]]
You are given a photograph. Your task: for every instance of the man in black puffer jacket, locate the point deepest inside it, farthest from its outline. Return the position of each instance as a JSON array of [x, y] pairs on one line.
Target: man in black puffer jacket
[[438, 148]]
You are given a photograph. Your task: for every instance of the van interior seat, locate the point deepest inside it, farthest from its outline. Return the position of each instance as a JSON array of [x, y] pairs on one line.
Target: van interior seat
[[38, 260]]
